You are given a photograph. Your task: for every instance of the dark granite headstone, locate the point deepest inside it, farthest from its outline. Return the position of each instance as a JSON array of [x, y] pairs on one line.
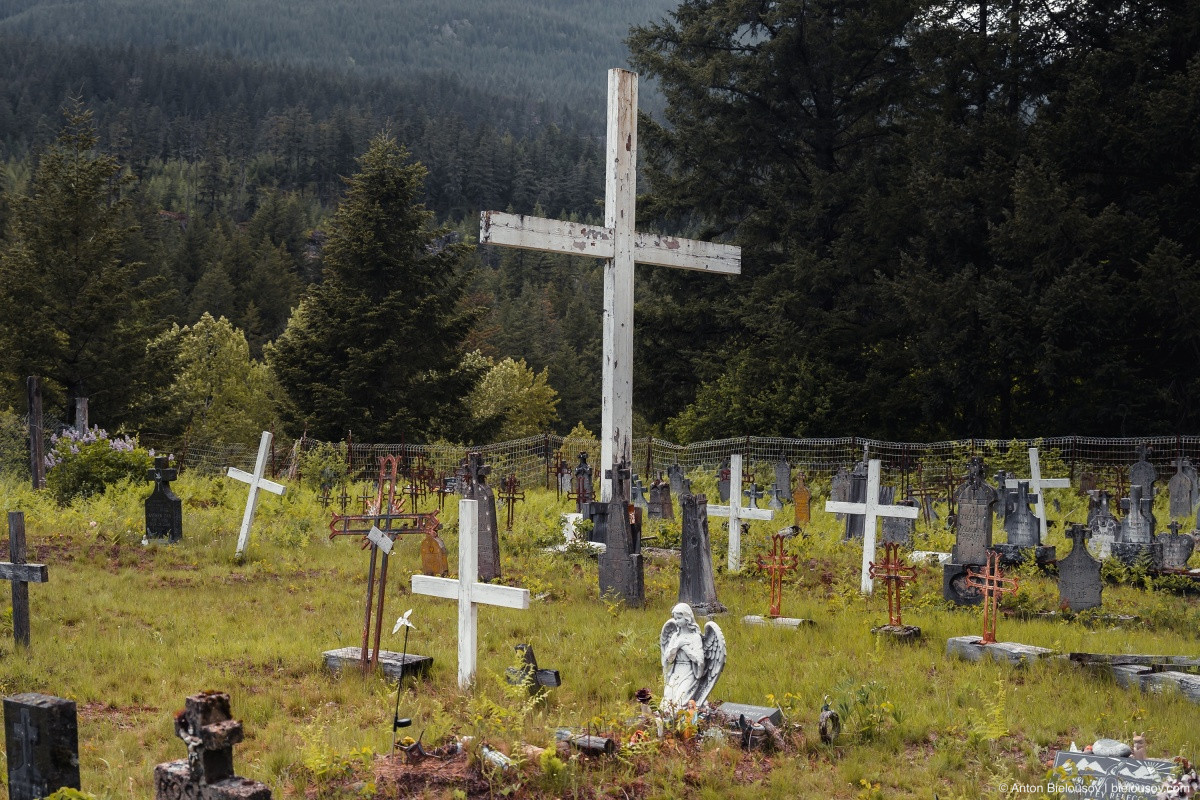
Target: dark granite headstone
[[164, 509], [856, 523], [1079, 584], [1182, 490], [41, 739], [621, 562], [489, 534], [697, 586], [839, 489], [660, 506], [954, 585], [723, 474], [675, 477], [783, 477], [1176, 548], [1002, 507], [1185, 466], [1143, 473], [1023, 529], [896, 529], [208, 729], [1087, 775], [973, 532]]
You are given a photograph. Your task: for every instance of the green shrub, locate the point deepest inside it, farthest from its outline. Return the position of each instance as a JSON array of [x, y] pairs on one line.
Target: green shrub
[[80, 465]]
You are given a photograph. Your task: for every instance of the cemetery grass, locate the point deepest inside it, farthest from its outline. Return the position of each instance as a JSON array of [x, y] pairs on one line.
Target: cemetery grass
[[128, 631]]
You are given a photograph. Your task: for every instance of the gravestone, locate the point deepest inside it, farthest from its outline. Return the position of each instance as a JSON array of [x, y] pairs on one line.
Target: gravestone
[[775, 498], [584, 490], [972, 534], [660, 506], [164, 509], [839, 488], [621, 569], [783, 477], [753, 494], [1024, 531], [1182, 489], [675, 477], [1185, 466], [1143, 473], [1087, 775], [1135, 537], [256, 482], [1104, 528], [208, 729], [41, 740], [637, 493], [858, 494], [802, 501], [21, 573], [1176, 548], [871, 511], [489, 533], [896, 530], [1002, 507], [1099, 502], [723, 473], [529, 675], [1079, 584], [1037, 490], [697, 586]]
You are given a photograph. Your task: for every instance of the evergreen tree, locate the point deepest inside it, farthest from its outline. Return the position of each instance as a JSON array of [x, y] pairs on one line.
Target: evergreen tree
[[376, 346]]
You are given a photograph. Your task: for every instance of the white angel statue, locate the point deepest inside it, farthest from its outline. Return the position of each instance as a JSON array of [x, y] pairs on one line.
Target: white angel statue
[[691, 663]]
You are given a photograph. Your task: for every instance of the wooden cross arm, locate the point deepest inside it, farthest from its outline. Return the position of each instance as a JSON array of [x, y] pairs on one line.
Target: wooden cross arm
[[485, 593], [574, 238], [743, 513], [1046, 483], [263, 483], [29, 573], [842, 507]]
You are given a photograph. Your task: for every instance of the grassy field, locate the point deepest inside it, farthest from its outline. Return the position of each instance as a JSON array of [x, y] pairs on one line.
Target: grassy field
[[128, 631]]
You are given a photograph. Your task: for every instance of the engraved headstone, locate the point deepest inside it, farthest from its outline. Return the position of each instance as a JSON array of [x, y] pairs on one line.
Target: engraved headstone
[[621, 562], [1079, 584], [489, 533], [1002, 507], [1182, 490], [1103, 525], [41, 740], [802, 500], [1143, 473], [1185, 466], [1176, 548], [164, 509], [723, 481], [1023, 529], [898, 530], [675, 477], [1099, 502], [697, 586], [972, 534], [208, 729], [858, 494], [1135, 538], [783, 477], [660, 506]]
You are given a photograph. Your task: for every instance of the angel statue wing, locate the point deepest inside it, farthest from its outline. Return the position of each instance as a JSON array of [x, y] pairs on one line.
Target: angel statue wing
[[664, 638], [714, 661]]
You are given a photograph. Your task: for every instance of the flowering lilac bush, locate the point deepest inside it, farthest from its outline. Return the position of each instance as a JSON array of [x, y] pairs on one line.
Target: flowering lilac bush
[[83, 464]]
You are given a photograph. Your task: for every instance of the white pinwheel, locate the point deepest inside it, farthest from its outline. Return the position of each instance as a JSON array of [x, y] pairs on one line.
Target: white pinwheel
[[403, 622]]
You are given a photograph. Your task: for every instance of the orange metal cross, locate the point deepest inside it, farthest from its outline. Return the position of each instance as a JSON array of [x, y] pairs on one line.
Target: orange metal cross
[[780, 563], [509, 495], [994, 585], [896, 573]]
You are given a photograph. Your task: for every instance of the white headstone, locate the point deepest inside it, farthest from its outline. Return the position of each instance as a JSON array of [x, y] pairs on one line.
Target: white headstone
[[872, 509], [256, 481], [1038, 485], [468, 591], [621, 246], [736, 513]]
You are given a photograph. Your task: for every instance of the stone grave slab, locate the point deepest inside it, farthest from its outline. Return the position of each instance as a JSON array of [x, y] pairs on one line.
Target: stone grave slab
[[1107, 778], [778, 622], [1143, 473], [41, 741], [394, 665], [729, 713], [489, 529], [969, 648], [783, 476]]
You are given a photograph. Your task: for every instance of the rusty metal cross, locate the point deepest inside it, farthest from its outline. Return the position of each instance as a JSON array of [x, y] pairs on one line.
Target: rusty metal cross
[[897, 573], [509, 495], [993, 584], [777, 566]]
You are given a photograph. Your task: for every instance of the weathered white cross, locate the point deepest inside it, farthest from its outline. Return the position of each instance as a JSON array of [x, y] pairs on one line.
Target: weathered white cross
[[468, 591], [256, 481], [736, 513], [1038, 485], [872, 509], [621, 245]]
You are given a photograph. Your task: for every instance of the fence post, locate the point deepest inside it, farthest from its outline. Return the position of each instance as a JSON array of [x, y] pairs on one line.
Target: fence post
[[37, 456]]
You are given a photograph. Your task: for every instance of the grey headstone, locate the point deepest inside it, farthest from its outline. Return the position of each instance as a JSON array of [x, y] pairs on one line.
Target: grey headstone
[[1143, 473], [1105, 778], [675, 476], [489, 534], [1103, 525], [210, 732], [775, 498], [839, 490], [954, 585], [1079, 584], [1002, 507], [1099, 502], [896, 529], [621, 569], [753, 495], [856, 523], [164, 509], [1182, 490], [1185, 466], [41, 738], [697, 586], [783, 477], [729, 712], [1020, 523], [638, 493], [723, 474], [973, 532], [1176, 548], [1138, 525], [659, 506], [393, 665]]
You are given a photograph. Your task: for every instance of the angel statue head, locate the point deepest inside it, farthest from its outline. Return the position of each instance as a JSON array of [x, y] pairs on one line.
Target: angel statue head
[[691, 662]]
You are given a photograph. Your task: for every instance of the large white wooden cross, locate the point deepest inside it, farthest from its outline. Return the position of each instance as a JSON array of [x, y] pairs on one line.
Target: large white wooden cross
[[872, 509], [1038, 485], [467, 590], [736, 513], [621, 246], [256, 481]]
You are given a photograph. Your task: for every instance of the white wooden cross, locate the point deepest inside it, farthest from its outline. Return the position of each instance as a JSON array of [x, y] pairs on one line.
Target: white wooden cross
[[736, 513], [468, 591], [1038, 485], [256, 481], [621, 246], [872, 509]]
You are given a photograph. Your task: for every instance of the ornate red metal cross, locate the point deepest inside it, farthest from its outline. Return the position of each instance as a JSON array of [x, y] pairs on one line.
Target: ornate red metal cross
[[779, 564], [993, 584], [897, 573]]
